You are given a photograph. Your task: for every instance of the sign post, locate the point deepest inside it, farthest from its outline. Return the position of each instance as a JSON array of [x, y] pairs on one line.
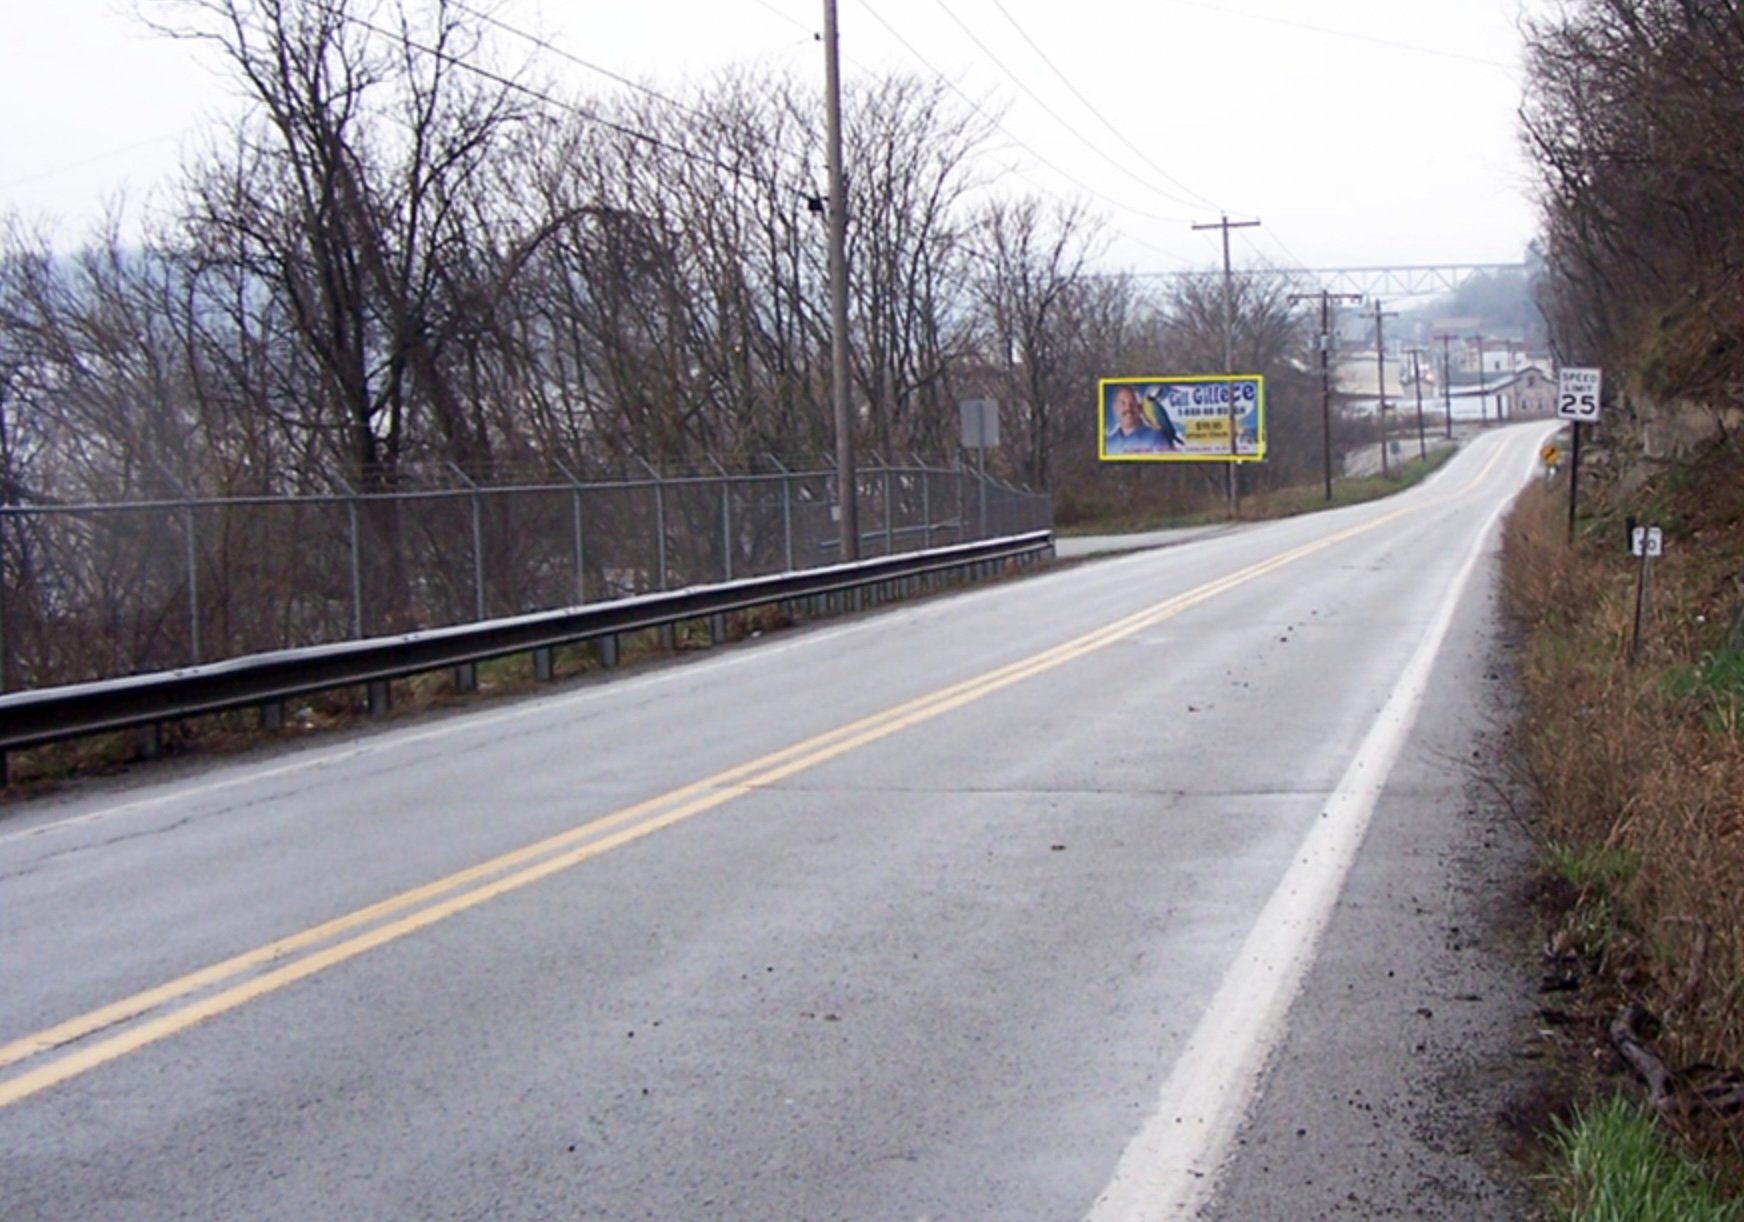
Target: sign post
[[1647, 542], [1577, 399], [980, 421]]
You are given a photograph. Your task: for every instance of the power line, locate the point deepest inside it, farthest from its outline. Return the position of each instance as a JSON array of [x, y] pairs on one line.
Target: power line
[[1054, 114], [497, 78], [545, 45], [1091, 107], [1353, 35], [977, 108]]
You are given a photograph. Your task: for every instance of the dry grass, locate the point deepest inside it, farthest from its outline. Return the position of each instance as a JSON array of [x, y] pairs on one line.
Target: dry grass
[[1641, 785]]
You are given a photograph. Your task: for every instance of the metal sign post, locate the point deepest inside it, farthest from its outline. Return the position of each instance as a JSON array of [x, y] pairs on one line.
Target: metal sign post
[[980, 420], [1577, 400], [1647, 542]]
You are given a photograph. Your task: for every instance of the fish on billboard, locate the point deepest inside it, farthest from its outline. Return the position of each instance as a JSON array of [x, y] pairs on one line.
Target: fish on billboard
[[1183, 419]]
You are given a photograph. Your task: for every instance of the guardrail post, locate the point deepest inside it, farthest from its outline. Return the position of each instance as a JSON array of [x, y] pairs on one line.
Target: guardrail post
[[544, 664], [150, 741], [717, 628], [466, 677], [272, 715], [379, 694], [607, 649]]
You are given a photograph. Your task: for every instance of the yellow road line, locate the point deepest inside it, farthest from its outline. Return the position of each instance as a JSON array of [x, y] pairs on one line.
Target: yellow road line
[[556, 853]]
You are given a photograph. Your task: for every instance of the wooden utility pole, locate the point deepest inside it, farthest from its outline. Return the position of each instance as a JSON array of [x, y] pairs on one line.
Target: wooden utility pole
[[1381, 370], [1447, 381], [1226, 225], [1417, 381], [1483, 405], [1326, 300], [847, 479]]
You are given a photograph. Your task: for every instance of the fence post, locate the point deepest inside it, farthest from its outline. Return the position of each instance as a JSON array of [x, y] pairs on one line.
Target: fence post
[[193, 584], [478, 614], [726, 521], [5, 518], [356, 571], [889, 515], [580, 551], [659, 522], [926, 505], [786, 513]]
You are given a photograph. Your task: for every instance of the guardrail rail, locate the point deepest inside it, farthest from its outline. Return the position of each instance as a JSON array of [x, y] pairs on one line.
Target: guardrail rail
[[266, 680]]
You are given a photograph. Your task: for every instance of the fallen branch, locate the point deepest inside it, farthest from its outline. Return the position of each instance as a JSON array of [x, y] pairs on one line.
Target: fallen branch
[[1625, 1037]]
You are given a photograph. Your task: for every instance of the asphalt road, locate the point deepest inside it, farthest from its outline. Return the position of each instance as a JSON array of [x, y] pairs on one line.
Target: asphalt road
[[1001, 905]]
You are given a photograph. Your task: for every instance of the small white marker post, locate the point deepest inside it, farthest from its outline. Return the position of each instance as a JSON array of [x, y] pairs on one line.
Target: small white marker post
[[1647, 542]]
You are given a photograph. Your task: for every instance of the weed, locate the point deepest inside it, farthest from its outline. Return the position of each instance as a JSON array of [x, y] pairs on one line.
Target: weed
[[1612, 1165]]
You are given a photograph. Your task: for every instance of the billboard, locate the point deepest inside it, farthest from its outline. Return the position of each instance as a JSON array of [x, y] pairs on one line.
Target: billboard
[[1163, 419]]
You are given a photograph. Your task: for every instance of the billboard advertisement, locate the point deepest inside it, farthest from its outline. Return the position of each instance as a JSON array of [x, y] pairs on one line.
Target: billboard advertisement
[[1167, 419]]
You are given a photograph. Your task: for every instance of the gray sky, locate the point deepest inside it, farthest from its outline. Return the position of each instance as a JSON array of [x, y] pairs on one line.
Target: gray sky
[[1358, 132]]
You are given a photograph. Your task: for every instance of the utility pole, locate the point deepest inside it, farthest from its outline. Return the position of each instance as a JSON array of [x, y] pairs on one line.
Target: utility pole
[[1447, 381], [1381, 369], [1483, 406], [1226, 225], [1417, 381], [1503, 411], [847, 479], [1326, 300]]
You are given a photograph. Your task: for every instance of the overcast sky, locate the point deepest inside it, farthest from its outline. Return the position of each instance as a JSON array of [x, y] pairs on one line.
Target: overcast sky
[[1358, 132]]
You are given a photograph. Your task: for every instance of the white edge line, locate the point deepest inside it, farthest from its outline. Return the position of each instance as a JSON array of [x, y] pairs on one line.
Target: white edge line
[[1170, 1168]]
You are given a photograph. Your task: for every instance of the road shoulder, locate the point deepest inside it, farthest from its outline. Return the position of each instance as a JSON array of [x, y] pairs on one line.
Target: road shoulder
[[1410, 1049]]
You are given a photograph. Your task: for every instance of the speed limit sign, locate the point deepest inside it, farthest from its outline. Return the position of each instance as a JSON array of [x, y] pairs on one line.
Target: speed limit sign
[[1577, 394]]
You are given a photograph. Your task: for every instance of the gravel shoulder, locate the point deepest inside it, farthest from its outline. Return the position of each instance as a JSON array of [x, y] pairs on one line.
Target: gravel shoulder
[[1408, 1083]]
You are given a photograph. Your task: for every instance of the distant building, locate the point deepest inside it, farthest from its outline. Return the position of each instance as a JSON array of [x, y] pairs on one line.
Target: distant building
[[1529, 394]]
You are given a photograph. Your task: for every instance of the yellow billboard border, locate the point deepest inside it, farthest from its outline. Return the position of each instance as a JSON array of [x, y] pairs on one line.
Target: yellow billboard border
[[1102, 385]]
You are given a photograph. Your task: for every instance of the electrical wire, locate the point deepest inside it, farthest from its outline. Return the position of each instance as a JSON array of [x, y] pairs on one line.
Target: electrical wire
[[497, 78], [1091, 107], [979, 110], [545, 45], [1353, 35], [1054, 114]]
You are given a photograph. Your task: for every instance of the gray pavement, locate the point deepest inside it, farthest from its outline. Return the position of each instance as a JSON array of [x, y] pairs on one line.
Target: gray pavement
[[910, 916]]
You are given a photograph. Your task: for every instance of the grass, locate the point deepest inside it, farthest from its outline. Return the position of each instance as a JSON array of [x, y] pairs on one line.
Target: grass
[[1612, 1165], [1714, 687], [1264, 506], [1638, 776]]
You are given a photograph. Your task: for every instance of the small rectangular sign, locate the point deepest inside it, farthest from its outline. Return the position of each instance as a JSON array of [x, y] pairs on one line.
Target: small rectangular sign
[[1647, 541], [1577, 394], [980, 419]]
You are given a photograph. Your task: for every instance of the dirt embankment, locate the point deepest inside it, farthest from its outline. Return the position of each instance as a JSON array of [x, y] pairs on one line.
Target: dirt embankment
[[1638, 767]]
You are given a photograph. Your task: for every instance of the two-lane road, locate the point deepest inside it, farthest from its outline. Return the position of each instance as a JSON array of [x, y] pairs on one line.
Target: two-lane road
[[988, 906]]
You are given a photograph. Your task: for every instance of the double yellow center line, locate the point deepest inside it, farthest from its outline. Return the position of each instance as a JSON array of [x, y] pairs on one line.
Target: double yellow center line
[[77, 1045]]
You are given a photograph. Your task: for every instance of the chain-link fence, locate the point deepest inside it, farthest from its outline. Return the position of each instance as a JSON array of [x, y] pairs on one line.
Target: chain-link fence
[[96, 591]]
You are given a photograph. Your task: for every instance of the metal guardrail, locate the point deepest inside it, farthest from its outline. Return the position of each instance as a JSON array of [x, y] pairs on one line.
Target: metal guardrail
[[35, 718]]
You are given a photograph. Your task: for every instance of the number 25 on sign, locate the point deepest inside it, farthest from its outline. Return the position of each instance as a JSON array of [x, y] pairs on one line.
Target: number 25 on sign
[[1577, 394]]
